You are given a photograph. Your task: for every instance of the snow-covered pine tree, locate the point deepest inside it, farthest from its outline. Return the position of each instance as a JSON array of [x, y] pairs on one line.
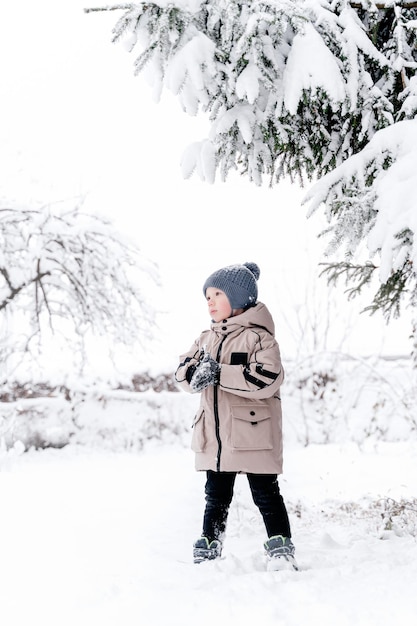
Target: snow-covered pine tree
[[310, 89]]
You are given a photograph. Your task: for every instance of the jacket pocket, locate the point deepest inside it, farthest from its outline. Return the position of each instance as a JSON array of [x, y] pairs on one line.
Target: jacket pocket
[[251, 427], [198, 440]]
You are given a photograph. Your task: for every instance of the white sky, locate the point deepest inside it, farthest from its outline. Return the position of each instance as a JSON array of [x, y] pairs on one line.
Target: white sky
[[76, 122]]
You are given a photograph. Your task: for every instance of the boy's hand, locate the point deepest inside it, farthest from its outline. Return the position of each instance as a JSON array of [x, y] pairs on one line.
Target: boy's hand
[[207, 373]]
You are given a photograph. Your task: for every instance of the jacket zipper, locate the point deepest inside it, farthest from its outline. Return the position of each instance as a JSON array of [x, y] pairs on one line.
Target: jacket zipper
[[216, 411]]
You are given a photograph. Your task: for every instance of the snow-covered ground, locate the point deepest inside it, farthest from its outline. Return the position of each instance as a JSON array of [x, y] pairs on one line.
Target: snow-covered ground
[[101, 531], [93, 536]]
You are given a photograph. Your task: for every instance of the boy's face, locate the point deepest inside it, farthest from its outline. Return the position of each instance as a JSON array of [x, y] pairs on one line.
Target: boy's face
[[218, 304]]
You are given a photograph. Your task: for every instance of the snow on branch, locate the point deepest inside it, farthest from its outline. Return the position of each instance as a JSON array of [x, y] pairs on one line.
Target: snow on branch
[[299, 89], [69, 274], [372, 195], [381, 6], [317, 79], [113, 7]]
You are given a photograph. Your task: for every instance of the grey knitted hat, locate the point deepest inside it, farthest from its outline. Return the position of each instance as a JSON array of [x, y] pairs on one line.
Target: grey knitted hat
[[238, 283]]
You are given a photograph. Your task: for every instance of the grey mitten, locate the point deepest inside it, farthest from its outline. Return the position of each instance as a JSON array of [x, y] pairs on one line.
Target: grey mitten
[[207, 373]]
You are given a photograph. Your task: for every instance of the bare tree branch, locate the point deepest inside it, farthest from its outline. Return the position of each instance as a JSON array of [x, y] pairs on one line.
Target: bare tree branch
[[15, 291]]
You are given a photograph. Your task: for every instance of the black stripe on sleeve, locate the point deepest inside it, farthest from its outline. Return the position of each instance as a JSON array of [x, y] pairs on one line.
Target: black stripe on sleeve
[[251, 379], [272, 375]]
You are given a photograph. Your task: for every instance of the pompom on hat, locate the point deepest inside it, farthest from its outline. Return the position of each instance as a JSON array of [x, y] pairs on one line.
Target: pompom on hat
[[238, 283]]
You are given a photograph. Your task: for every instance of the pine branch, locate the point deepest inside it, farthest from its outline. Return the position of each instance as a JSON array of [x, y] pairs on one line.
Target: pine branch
[[361, 274], [114, 7], [412, 4], [406, 4], [261, 127], [390, 293], [388, 297]]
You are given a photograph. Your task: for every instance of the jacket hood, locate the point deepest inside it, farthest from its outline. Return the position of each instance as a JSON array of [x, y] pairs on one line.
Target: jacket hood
[[256, 316]]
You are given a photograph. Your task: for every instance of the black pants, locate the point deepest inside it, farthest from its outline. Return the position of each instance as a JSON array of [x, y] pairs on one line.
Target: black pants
[[265, 494]]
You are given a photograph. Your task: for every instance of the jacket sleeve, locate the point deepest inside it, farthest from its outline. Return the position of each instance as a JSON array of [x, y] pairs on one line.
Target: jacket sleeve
[[186, 368], [262, 376]]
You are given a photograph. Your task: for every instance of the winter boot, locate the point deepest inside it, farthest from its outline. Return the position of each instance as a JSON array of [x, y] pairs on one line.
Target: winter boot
[[205, 550], [280, 552]]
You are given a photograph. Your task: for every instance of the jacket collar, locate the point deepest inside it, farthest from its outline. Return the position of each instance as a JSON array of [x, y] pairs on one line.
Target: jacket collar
[[256, 316]]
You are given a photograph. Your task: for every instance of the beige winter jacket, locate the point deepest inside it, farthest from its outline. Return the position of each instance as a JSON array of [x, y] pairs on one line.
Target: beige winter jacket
[[238, 425]]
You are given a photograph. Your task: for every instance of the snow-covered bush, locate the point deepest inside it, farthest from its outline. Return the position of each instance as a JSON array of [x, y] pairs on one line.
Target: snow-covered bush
[[96, 415], [382, 517], [37, 422], [125, 420], [330, 397]]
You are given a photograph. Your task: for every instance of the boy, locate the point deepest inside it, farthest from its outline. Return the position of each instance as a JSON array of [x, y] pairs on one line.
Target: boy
[[236, 366]]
